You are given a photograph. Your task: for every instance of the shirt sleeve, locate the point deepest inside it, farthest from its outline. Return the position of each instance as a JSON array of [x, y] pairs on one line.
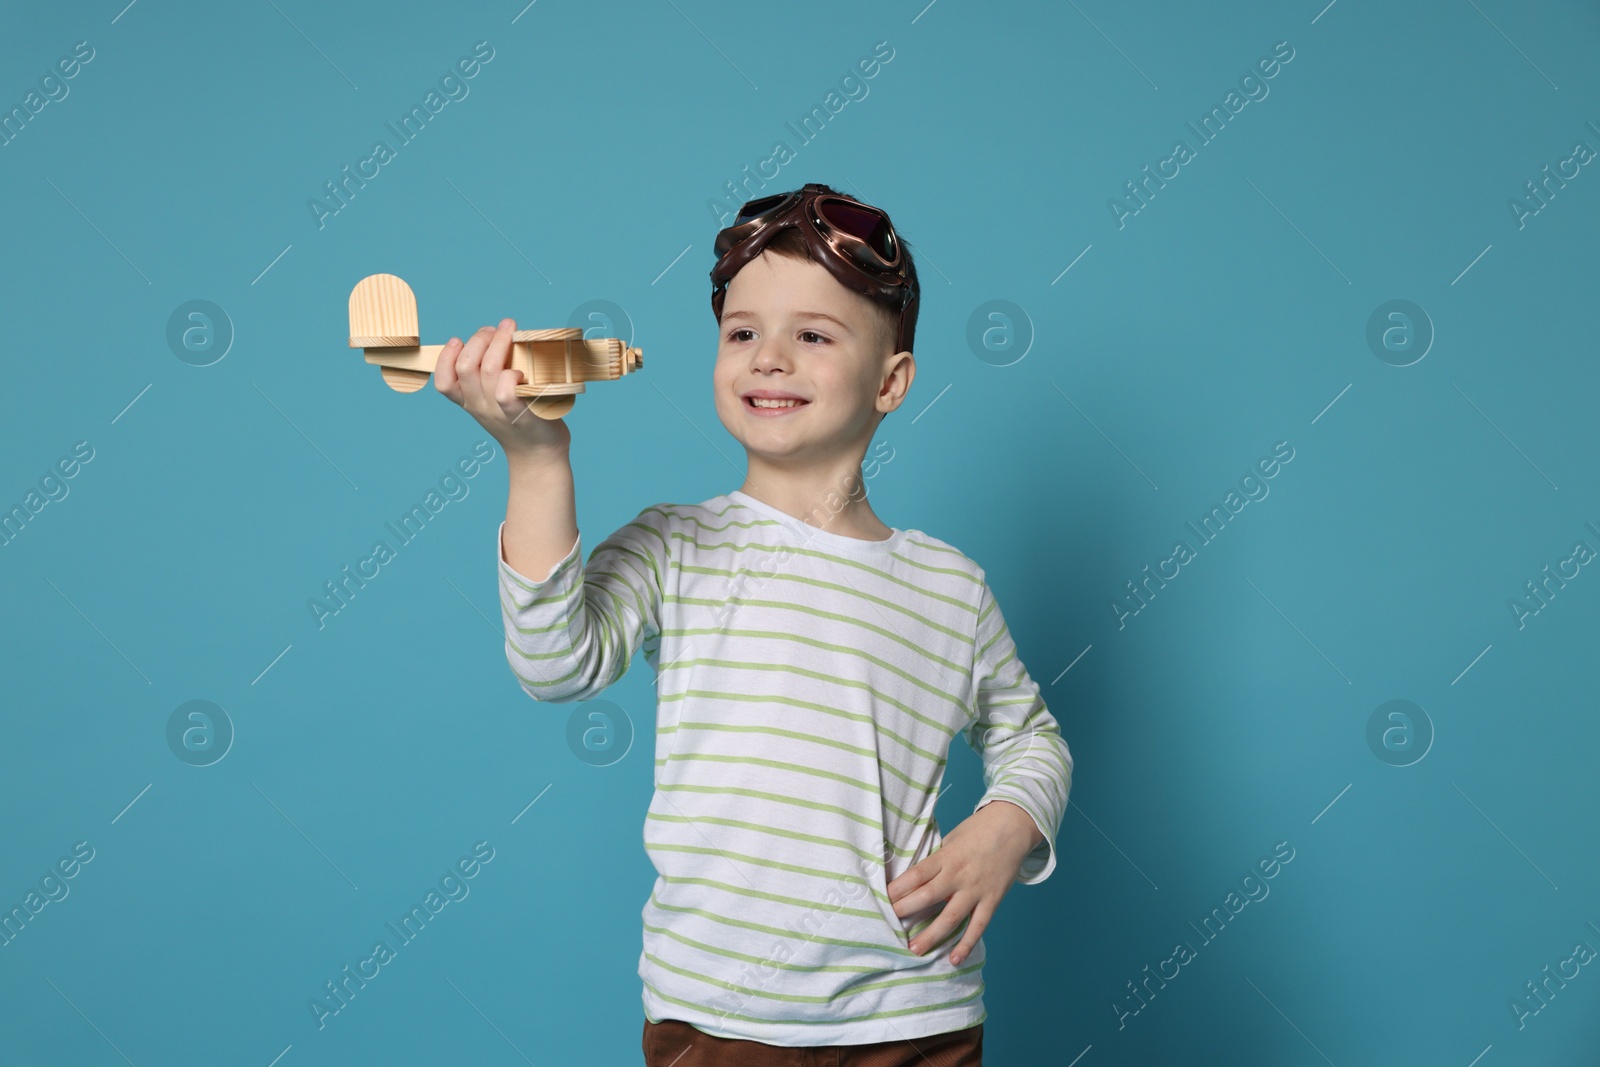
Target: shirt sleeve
[[573, 632], [1025, 760]]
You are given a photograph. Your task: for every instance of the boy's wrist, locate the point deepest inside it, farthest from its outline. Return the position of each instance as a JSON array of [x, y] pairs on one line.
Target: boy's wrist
[[537, 458], [1019, 820]]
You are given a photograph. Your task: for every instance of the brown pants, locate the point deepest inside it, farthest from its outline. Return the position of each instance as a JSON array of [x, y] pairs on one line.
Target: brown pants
[[675, 1043]]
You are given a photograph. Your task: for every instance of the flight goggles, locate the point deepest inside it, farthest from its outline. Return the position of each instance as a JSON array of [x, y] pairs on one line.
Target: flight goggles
[[854, 241]]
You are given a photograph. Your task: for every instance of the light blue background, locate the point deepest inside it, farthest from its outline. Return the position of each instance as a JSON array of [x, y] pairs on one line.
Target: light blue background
[[1229, 314]]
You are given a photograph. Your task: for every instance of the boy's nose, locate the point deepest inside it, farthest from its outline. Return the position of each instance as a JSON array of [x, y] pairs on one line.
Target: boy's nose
[[770, 353]]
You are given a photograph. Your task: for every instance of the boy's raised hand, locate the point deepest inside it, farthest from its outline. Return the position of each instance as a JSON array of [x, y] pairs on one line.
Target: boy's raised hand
[[474, 374]]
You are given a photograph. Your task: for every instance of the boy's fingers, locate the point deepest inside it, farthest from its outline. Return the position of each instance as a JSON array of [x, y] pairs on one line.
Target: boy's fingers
[[444, 371], [498, 354], [913, 877], [969, 940], [948, 919], [467, 361], [505, 393], [931, 935], [475, 373]]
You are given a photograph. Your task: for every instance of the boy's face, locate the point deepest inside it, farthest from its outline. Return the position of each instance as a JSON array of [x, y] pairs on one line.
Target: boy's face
[[773, 338]]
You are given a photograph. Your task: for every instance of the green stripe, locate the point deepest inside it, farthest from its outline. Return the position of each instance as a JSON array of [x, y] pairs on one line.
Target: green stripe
[[784, 931], [776, 898], [866, 857], [549, 583], [777, 931], [760, 861], [637, 524], [842, 560], [931, 547], [778, 698], [1029, 699], [512, 625], [644, 575], [531, 656], [971, 578], [777, 797], [790, 935], [1050, 790], [799, 998], [605, 582], [797, 768], [826, 646], [682, 664], [776, 731], [870, 788], [987, 645], [1006, 727], [766, 961], [915, 783], [789, 605], [541, 684], [781, 576]]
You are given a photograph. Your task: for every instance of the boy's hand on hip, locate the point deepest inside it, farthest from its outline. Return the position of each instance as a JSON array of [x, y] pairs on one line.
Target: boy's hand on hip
[[972, 869]]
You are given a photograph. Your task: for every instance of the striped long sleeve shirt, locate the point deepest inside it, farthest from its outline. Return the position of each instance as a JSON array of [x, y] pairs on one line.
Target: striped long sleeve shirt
[[808, 688]]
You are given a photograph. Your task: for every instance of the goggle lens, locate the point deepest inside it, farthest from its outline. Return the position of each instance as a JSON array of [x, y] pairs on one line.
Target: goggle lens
[[867, 225], [756, 208]]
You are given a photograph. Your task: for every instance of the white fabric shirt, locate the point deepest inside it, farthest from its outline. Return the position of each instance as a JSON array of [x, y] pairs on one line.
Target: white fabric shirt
[[808, 687]]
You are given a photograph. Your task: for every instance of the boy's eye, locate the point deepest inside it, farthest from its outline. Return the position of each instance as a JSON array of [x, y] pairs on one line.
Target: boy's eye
[[734, 334]]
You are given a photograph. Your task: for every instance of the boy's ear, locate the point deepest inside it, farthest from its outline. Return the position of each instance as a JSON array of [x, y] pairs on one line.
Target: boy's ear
[[897, 383]]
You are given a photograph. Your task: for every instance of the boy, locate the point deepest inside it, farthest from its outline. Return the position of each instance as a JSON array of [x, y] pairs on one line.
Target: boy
[[812, 666]]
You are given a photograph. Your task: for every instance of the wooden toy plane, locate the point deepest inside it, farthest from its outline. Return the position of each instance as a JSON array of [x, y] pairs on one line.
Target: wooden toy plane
[[554, 363]]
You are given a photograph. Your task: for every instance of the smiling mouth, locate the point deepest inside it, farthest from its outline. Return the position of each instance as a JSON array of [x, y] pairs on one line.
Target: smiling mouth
[[763, 404]]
